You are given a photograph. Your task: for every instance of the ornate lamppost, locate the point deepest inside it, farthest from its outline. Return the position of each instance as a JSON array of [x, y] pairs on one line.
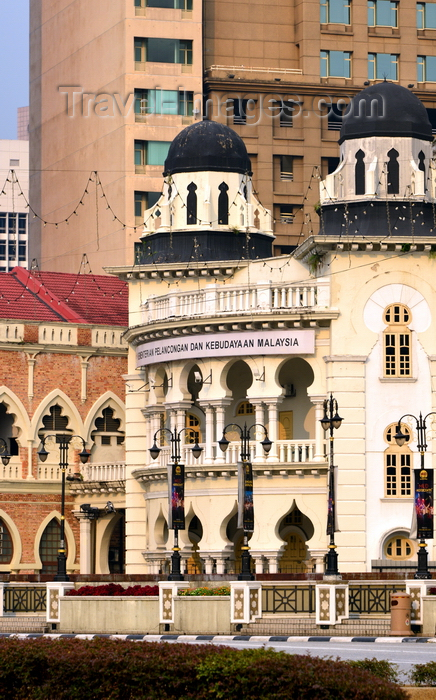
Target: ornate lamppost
[[423, 492], [246, 509], [331, 421], [63, 441], [176, 490]]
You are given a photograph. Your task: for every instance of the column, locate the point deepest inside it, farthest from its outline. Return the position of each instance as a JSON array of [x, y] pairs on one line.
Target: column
[[319, 455], [220, 414], [272, 428], [84, 363], [85, 545], [259, 455], [209, 436]]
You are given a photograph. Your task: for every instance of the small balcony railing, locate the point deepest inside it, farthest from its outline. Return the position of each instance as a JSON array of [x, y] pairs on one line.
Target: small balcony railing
[[105, 471], [288, 452], [258, 299]]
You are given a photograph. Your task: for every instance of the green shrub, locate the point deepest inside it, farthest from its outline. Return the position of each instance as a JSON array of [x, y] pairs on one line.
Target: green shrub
[[106, 669], [378, 667], [424, 674], [223, 590]]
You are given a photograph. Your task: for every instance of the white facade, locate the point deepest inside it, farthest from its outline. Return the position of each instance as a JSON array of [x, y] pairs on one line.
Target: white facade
[[14, 214]]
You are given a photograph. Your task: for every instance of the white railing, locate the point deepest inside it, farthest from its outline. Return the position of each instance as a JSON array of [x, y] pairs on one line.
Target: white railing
[[254, 69], [261, 298], [10, 471], [115, 471], [288, 452]]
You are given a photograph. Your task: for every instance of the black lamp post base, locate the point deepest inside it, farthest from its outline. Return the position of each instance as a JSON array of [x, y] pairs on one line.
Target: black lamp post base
[[176, 574], [332, 563], [246, 574], [61, 574], [422, 571]]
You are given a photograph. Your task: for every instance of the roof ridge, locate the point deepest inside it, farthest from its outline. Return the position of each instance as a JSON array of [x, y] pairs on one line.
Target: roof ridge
[[35, 287]]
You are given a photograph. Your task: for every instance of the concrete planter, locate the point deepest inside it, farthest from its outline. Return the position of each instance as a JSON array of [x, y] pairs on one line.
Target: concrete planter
[[428, 603], [201, 615], [109, 614]]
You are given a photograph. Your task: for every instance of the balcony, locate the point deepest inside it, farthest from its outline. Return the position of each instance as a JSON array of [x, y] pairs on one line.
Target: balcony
[[214, 301], [291, 457]]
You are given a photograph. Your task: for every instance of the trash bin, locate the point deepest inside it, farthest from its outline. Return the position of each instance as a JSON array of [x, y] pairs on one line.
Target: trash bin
[[400, 614]]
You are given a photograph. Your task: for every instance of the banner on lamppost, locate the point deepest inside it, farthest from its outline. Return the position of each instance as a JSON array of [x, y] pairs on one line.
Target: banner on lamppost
[[245, 497], [332, 522], [176, 486], [423, 504]]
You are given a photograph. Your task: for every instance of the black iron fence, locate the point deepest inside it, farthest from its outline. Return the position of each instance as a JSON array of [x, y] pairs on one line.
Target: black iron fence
[[288, 599], [371, 599], [25, 599]]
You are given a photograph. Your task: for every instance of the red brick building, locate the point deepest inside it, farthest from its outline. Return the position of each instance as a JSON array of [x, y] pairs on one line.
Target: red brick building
[[62, 361]]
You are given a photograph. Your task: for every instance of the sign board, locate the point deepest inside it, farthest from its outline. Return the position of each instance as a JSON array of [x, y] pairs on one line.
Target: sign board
[[192, 347]]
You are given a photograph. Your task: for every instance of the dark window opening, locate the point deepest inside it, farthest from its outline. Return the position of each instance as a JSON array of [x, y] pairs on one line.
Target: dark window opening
[[223, 204], [393, 172], [191, 204], [359, 172]]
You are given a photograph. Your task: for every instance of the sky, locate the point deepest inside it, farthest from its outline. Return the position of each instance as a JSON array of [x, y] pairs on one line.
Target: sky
[[14, 57]]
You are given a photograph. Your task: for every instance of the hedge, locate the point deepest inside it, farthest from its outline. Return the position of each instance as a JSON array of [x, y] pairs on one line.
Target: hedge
[[113, 589], [105, 669]]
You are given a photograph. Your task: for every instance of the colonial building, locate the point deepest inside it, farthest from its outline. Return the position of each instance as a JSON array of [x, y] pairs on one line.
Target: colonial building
[[231, 337], [62, 361]]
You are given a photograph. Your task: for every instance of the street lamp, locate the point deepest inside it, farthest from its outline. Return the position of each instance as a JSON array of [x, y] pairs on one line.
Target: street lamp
[[331, 421], [4, 452], [422, 503], [246, 510], [63, 442], [177, 491]]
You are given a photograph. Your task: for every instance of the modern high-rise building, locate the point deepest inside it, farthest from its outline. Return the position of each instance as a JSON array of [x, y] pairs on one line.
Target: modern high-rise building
[[14, 213], [112, 86]]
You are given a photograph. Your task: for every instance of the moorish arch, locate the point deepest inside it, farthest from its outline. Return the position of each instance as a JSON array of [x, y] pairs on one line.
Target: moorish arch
[[15, 407], [107, 400], [17, 547], [69, 536], [105, 531], [295, 529], [296, 414], [69, 409]]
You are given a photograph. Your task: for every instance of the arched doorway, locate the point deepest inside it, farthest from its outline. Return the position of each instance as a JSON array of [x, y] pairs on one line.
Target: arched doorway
[[117, 546], [295, 529]]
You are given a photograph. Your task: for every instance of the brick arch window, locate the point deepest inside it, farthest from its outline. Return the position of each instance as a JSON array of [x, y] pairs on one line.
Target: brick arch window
[[108, 428], [6, 546], [397, 341], [398, 464], [54, 422], [48, 547]]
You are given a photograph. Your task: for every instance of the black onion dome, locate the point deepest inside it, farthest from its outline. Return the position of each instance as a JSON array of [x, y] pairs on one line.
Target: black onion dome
[[395, 112], [207, 145]]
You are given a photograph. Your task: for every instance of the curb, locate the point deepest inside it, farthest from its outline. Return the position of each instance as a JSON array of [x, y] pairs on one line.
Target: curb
[[213, 638]]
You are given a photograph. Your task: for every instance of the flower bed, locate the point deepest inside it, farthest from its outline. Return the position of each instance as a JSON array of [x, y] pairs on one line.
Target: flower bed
[[223, 590], [114, 589]]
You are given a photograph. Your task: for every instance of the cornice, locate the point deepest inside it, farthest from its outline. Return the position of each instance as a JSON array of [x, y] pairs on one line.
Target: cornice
[[192, 269], [308, 318]]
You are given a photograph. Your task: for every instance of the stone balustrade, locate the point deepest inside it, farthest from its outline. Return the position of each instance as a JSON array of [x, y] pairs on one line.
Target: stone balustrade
[[254, 299]]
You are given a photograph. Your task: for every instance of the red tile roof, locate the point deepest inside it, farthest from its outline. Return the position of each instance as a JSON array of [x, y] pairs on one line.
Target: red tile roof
[[63, 297]]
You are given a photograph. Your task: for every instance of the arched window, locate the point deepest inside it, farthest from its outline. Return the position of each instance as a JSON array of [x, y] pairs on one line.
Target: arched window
[[397, 341], [399, 547], [6, 547], [398, 464], [191, 204], [108, 428], [359, 173], [393, 172], [245, 408], [48, 547], [193, 434], [223, 204]]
